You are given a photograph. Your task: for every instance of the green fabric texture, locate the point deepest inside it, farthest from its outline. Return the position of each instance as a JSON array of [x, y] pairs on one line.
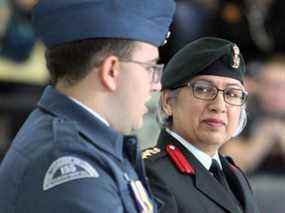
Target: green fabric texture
[[199, 55]]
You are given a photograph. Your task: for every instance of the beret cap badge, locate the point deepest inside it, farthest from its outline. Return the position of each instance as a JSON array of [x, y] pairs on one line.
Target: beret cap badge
[[204, 56], [166, 38], [236, 57]]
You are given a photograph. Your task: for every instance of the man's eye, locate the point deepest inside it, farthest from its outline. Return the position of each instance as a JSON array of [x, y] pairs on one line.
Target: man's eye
[[150, 68]]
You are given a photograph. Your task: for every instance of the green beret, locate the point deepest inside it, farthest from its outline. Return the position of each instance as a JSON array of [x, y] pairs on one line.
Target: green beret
[[205, 56]]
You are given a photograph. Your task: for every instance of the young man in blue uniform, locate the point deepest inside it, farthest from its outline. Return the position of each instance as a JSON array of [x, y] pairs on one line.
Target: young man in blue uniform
[[71, 154]]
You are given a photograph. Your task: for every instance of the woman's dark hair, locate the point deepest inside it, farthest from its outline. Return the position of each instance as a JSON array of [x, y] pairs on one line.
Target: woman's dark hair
[[71, 62]]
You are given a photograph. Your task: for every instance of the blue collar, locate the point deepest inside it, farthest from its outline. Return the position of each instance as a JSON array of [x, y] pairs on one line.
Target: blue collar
[[94, 129]]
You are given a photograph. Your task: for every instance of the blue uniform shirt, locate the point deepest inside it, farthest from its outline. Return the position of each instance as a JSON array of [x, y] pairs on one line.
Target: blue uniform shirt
[[64, 160]]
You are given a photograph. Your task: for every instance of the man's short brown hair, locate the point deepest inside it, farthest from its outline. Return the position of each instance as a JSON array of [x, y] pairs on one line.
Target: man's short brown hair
[[71, 62]]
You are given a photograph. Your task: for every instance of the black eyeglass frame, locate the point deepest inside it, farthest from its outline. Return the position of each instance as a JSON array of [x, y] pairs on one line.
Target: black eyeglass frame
[[192, 85], [155, 69]]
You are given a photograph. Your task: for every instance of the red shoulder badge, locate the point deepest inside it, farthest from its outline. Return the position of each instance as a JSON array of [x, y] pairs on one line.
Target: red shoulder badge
[[179, 159]]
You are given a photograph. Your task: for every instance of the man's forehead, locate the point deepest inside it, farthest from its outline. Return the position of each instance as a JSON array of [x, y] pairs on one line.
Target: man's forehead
[[146, 51]]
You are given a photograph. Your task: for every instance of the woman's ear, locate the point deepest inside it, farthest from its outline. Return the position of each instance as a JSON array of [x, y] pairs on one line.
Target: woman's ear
[[109, 72], [167, 102]]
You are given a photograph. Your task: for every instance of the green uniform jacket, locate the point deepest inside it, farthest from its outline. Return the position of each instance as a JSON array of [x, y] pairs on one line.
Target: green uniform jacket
[[199, 192]]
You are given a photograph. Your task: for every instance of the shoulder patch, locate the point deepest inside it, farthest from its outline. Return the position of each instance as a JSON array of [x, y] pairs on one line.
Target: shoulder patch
[[66, 169], [179, 159], [150, 152]]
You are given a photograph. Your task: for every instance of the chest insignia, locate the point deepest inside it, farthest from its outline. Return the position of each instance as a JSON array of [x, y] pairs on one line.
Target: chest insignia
[[66, 169], [140, 194], [149, 152], [179, 160]]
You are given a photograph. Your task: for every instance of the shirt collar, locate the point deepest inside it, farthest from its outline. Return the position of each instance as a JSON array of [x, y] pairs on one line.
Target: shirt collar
[[91, 111], [203, 158], [107, 138]]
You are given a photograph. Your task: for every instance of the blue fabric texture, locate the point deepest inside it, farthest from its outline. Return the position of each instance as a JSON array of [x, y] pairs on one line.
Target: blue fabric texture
[[57, 130], [63, 21]]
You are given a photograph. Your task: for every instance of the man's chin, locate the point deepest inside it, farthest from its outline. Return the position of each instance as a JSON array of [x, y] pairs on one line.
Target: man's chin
[[137, 125]]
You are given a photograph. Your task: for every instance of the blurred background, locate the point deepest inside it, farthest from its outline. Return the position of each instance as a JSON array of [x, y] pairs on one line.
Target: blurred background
[[256, 26]]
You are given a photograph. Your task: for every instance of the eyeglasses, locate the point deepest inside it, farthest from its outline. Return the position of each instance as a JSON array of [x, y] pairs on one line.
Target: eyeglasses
[[206, 91], [154, 69]]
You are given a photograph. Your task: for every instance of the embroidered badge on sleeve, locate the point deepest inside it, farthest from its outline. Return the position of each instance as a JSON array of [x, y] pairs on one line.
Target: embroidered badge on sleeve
[[66, 169]]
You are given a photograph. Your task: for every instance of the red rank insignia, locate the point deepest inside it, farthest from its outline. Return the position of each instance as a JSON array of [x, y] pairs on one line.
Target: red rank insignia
[[179, 159]]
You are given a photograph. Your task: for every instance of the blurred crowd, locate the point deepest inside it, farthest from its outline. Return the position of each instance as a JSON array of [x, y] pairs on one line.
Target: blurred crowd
[[20, 76], [256, 26], [17, 37]]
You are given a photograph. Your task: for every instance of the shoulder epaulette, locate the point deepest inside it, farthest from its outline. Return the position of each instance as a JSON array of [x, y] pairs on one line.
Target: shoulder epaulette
[[179, 159], [150, 152]]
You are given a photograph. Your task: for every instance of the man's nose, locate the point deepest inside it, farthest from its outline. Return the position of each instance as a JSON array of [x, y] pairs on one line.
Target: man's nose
[[155, 87]]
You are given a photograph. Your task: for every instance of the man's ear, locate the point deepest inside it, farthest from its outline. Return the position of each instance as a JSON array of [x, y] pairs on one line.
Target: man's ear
[[109, 72], [167, 102]]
